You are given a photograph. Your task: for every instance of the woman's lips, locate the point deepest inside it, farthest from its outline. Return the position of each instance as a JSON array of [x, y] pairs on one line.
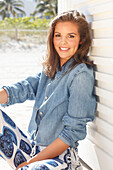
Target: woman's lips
[[63, 48]]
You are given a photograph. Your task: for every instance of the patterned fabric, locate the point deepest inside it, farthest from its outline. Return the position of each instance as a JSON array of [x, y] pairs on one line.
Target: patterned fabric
[[16, 148]]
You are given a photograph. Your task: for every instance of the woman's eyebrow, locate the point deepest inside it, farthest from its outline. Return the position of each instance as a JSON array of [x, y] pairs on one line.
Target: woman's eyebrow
[[68, 33], [72, 33], [57, 32]]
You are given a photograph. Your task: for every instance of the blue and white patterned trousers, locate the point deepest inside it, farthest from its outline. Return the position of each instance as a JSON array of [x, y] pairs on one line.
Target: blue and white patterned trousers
[[16, 148]]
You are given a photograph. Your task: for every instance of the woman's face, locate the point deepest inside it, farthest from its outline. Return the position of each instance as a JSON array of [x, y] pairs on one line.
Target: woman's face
[[66, 40]]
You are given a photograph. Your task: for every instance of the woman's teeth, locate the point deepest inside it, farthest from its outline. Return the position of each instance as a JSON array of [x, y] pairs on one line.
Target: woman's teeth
[[64, 49]]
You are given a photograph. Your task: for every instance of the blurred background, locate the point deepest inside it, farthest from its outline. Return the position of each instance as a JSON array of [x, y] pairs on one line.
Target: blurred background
[[24, 23]]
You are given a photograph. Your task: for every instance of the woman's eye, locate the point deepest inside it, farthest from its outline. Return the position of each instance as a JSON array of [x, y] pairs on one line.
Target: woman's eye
[[71, 36], [57, 35]]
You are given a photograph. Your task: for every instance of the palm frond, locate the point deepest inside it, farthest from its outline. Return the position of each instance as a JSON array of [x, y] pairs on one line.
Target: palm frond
[[20, 10], [47, 7], [10, 6]]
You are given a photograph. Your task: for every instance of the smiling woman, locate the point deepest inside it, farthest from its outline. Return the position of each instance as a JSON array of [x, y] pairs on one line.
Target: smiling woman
[[71, 28], [66, 40], [64, 101]]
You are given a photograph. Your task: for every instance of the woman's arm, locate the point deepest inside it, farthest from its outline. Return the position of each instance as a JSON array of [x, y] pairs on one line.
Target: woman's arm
[[22, 90], [56, 148], [3, 96]]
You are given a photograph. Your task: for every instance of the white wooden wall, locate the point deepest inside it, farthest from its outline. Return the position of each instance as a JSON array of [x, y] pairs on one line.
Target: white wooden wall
[[97, 149]]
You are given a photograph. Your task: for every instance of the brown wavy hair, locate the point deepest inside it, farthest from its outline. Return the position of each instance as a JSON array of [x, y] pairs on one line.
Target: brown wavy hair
[[81, 56]]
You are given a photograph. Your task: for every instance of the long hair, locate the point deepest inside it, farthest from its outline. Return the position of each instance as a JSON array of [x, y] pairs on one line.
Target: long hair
[[81, 55]]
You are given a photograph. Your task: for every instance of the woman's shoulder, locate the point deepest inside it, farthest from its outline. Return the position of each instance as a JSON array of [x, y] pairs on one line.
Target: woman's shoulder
[[80, 68], [81, 72]]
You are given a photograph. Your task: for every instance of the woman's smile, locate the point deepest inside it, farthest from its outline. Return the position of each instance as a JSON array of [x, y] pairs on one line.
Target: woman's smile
[[66, 40], [64, 49]]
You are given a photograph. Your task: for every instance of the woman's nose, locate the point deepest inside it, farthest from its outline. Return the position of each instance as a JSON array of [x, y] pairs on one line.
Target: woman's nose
[[63, 40]]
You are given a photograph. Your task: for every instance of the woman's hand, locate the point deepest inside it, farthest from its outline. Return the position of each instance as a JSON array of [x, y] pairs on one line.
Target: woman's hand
[[3, 96], [22, 164]]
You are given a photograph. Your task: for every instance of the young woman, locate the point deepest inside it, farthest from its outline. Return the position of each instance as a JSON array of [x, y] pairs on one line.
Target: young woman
[[64, 101]]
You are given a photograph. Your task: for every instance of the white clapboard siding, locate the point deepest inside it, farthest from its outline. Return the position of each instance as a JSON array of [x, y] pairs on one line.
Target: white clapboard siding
[[105, 113], [101, 141], [103, 33], [106, 23], [97, 149], [102, 51], [106, 78], [104, 93], [97, 155], [105, 7], [104, 128]]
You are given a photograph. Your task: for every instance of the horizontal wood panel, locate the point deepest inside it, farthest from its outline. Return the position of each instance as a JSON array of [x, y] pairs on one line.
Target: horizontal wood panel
[[102, 52], [108, 23], [102, 60], [104, 97], [105, 101], [102, 43], [94, 156], [105, 115], [103, 15], [103, 33], [107, 111], [104, 69], [104, 81], [95, 9], [89, 3], [104, 128], [101, 141], [104, 85], [80, 2], [104, 159], [104, 77], [104, 93]]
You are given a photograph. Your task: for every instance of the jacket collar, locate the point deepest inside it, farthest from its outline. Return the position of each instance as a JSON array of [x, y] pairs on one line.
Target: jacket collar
[[65, 68]]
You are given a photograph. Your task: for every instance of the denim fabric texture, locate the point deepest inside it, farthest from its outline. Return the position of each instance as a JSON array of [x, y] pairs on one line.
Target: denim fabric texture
[[63, 106]]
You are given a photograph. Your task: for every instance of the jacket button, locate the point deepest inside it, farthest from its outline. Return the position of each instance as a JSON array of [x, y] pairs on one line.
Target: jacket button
[[45, 97], [41, 113]]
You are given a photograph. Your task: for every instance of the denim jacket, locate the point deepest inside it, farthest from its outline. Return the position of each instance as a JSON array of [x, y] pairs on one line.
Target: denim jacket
[[63, 106]]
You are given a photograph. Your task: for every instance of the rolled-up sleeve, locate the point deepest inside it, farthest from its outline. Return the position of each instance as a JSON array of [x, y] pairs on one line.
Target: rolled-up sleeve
[[81, 109], [22, 91]]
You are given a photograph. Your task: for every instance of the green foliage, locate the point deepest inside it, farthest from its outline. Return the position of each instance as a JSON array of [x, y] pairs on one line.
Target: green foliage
[[24, 23], [8, 7], [46, 8]]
